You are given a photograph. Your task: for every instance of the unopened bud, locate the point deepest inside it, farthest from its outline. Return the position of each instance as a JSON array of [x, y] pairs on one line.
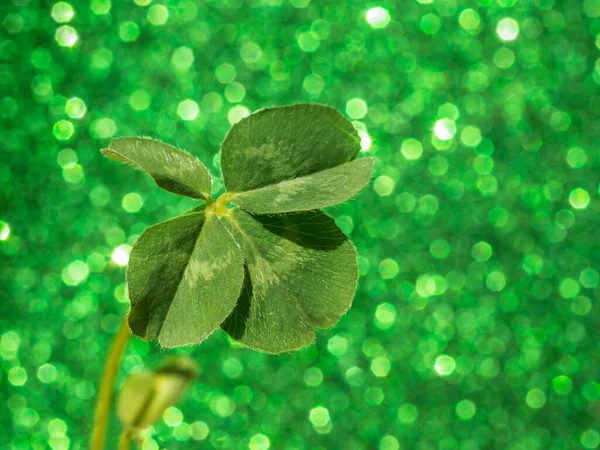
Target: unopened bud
[[146, 395]]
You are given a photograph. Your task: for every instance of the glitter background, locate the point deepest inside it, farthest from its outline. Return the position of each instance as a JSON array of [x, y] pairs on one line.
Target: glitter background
[[476, 321]]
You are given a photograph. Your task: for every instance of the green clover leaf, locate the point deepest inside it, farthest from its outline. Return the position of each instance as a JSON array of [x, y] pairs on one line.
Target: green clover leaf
[[173, 170], [271, 268], [301, 273], [186, 264], [293, 158]]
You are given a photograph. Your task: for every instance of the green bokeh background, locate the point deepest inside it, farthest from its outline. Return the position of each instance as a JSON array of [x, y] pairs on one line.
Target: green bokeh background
[[475, 325]]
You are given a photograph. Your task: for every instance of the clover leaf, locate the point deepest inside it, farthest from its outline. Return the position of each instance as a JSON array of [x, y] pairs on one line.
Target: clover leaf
[[261, 262], [184, 277], [293, 158], [301, 273], [173, 170]]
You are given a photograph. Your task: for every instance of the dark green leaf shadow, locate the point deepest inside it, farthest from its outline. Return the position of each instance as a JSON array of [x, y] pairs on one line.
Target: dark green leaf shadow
[[235, 324], [308, 234]]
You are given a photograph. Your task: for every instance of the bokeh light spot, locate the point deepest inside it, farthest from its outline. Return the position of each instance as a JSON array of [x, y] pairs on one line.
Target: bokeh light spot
[[590, 439], [465, 409], [495, 281], [200, 430], [589, 277], [139, 100], [569, 288], [132, 202], [384, 185], [75, 108], [308, 41], [4, 230], [337, 345], [470, 136], [439, 248], [444, 365], [103, 128], [579, 198], [469, 20], [62, 12], [250, 52], [411, 149], [158, 15], [535, 398], [188, 109], [120, 255], [378, 17], [313, 84], [259, 442], [388, 269], [356, 108], [225, 73], [430, 24], [182, 59], [47, 373], [100, 7], [172, 416], [507, 29], [389, 442], [63, 130], [66, 36], [482, 251], [576, 157], [380, 366], [408, 413], [313, 376], [17, 376], [129, 31], [319, 416], [444, 129], [385, 315], [237, 113], [235, 92], [562, 385]]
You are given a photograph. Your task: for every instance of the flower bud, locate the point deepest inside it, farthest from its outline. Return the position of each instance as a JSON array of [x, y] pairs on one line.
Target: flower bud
[[146, 395]]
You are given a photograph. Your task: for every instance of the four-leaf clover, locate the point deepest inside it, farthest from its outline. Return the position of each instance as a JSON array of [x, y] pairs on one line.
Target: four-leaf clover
[[262, 262]]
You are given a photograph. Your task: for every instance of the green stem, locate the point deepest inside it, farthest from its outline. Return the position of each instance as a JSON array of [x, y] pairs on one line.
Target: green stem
[[111, 367], [125, 441]]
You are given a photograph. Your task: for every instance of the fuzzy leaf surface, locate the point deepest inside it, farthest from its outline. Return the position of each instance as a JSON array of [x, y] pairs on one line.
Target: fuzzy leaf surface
[[301, 273], [172, 169], [277, 144], [184, 277], [317, 190]]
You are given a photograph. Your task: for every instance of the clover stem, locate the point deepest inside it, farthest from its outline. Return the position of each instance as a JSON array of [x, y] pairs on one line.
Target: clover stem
[[125, 441], [111, 367]]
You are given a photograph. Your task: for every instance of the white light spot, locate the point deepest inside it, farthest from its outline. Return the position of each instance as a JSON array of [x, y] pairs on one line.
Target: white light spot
[[445, 365], [365, 140], [120, 255], [508, 29], [378, 17], [444, 129], [66, 36], [4, 231]]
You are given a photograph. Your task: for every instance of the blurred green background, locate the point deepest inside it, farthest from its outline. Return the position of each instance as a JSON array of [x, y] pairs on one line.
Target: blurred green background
[[476, 321]]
